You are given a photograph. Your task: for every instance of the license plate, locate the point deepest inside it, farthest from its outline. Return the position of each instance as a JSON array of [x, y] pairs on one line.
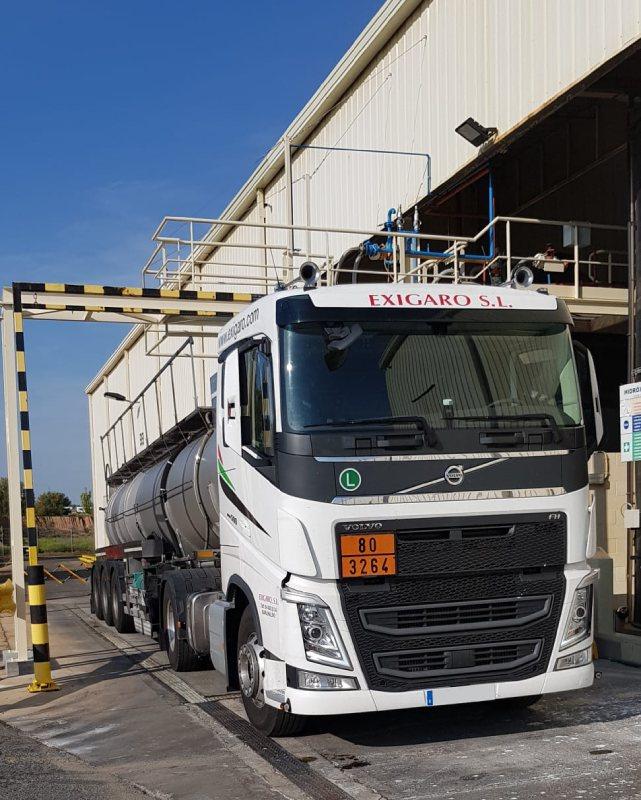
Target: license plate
[[368, 555]]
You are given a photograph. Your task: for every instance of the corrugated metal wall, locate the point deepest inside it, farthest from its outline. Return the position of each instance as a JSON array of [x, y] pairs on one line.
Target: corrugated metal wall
[[498, 61]]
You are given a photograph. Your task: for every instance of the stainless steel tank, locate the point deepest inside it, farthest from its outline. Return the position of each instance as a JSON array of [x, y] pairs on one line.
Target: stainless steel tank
[[176, 500]]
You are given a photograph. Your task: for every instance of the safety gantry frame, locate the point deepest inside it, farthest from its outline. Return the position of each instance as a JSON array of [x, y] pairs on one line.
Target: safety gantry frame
[[71, 303]]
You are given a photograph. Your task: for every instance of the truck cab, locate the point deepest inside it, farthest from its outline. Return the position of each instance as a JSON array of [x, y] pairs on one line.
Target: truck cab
[[404, 509]]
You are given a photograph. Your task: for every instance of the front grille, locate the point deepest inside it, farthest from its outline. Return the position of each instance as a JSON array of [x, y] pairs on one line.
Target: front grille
[[434, 549], [461, 616], [457, 660], [470, 597], [414, 535]]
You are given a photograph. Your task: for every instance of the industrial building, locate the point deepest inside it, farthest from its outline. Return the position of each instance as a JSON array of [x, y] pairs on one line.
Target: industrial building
[[547, 171]]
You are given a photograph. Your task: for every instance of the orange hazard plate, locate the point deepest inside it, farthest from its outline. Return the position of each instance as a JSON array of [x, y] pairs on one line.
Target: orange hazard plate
[[368, 555]]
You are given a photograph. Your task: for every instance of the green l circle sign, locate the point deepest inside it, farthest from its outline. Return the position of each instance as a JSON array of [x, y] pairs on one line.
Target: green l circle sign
[[350, 479]]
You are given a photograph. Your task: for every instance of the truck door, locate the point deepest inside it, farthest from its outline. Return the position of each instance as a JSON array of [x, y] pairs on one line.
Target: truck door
[[230, 478], [230, 404], [257, 442]]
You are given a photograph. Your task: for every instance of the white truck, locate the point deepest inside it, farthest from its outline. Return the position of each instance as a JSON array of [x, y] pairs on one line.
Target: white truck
[[385, 507]]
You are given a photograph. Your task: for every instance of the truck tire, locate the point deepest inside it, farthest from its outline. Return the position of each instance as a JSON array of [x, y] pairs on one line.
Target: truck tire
[[122, 621], [96, 577], [181, 656], [105, 595], [269, 720]]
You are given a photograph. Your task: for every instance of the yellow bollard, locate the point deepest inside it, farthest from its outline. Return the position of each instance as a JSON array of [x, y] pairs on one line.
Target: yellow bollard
[[42, 680], [7, 606]]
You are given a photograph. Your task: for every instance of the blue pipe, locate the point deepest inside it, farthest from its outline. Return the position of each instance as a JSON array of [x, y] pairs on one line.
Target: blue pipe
[[412, 251]]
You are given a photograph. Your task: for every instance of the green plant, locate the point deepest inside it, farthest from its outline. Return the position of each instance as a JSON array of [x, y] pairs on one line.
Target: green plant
[[52, 504], [86, 501]]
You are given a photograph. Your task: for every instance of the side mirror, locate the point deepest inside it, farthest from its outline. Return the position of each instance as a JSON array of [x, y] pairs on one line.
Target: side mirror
[[589, 388]]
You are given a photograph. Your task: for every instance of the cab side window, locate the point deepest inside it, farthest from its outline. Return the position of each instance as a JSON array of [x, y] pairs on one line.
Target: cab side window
[[257, 401]]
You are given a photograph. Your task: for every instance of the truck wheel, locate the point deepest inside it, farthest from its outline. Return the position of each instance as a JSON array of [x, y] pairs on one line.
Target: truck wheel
[[105, 597], [96, 576], [269, 720], [181, 656], [122, 622]]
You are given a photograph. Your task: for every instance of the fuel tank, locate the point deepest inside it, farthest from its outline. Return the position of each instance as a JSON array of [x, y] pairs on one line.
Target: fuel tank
[[175, 500]]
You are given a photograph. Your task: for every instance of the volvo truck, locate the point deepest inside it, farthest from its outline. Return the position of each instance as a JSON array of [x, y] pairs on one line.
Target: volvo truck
[[386, 505]]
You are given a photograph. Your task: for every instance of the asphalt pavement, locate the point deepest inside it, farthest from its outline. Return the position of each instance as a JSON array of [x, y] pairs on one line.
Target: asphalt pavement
[[126, 719]]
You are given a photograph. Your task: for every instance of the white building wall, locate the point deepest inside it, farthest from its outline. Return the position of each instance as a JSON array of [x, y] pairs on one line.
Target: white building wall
[[498, 61]]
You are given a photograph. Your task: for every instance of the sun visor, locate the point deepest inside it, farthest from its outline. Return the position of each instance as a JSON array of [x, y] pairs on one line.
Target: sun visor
[[441, 296]]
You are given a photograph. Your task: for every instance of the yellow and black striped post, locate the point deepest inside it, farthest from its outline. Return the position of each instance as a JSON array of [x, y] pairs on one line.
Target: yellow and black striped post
[[42, 680], [25, 434]]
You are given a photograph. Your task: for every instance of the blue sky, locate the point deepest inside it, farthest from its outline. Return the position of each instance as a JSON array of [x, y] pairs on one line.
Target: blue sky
[[115, 114]]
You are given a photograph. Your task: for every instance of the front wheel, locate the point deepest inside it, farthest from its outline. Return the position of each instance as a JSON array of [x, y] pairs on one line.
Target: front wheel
[[251, 673]]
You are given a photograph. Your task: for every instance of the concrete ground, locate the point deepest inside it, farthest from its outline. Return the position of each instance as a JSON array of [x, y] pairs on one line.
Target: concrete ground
[[30, 770], [125, 714]]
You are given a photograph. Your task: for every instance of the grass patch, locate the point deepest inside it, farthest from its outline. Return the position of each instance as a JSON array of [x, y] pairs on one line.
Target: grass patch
[[60, 544]]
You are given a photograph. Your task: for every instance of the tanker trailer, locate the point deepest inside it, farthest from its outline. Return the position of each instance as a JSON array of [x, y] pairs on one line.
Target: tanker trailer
[[160, 568]]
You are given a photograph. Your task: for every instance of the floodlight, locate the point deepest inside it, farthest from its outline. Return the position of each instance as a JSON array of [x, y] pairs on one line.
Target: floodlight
[[475, 133]]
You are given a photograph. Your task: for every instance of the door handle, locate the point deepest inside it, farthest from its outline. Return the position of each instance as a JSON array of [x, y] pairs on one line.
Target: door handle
[[231, 410]]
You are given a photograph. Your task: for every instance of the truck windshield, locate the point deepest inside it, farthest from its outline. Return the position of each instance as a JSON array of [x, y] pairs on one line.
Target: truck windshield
[[445, 372]]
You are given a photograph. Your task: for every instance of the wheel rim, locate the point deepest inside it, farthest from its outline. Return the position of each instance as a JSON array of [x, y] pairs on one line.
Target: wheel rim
[[250, 670], [170, 625]]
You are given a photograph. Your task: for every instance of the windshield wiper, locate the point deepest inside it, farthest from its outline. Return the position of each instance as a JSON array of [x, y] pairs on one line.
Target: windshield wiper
[[419, 422], [537, 417]]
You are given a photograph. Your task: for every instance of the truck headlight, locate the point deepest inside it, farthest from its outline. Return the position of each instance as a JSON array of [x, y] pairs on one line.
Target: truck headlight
[[323, 643], [579, 624], [321, 638]]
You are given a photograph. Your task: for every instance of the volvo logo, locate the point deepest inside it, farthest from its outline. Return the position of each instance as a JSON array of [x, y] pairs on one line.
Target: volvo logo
[[454, 475]]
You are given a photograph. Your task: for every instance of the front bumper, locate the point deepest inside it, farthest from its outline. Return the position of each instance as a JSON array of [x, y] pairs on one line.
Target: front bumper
[[310, 702], [353, 702]]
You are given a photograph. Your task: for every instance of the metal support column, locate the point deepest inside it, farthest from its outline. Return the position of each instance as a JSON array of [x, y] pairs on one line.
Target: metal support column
[[20, 653], [634, 351], [289, 205], [262, 217], [42, 680], [25, 431]]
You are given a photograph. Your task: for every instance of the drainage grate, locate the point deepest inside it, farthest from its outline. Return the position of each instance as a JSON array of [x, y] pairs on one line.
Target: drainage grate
[[309, 780]]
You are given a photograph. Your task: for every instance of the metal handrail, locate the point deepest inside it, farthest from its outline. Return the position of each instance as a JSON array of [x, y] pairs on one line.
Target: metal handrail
[[185, 258], [119, 426]]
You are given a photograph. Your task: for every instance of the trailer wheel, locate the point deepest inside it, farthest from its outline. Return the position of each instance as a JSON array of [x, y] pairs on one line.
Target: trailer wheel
[[181, 656], [122, 621], [269, 720], [96, 579], [105, 596]]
